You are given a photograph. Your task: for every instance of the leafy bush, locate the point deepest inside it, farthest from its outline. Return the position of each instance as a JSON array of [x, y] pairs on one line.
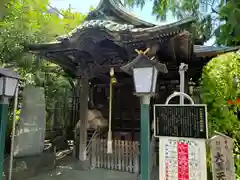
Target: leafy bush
[[217, 87]]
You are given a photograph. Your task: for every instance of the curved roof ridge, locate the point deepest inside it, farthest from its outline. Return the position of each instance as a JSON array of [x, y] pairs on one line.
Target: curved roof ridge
[[169, 25], [113, 26], [123, 12], [99, 5], [129, 14]]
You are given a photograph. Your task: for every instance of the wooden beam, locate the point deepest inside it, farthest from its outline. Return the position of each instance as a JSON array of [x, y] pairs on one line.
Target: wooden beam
[[103, 69], [36, 48], [83, 82], [162, 78], [64, 63]]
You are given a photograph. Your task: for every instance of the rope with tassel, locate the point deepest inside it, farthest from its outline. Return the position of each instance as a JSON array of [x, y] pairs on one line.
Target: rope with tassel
[[113, 80]]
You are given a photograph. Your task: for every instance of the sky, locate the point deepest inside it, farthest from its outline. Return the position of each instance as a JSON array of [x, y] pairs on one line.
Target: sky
[[144, 13], [84, 6]]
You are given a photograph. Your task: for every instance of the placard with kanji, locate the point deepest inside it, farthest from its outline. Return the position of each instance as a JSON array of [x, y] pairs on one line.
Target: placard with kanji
[[174, 120]]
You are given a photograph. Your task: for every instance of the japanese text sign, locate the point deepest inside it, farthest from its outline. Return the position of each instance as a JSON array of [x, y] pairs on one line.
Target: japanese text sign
[[222, 158], [182, 159]]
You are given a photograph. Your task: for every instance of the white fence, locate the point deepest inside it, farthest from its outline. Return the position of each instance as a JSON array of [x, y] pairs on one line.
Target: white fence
[[125, 156]]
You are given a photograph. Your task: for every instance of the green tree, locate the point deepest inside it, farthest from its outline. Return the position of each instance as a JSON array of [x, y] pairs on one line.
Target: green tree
[[205, 12], [30, 21], [214, 17], [3, 8], [217, 88], [228, 33], [219, 85]]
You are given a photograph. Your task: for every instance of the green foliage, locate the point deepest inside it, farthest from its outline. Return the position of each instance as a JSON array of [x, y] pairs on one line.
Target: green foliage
[[30, 21], [229, 32], [217, 87], [202, 10], [3, 8], [214, 17], [27, 22]]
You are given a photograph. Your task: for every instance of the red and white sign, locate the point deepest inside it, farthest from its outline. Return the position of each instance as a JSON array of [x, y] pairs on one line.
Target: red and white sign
[[182, 159]]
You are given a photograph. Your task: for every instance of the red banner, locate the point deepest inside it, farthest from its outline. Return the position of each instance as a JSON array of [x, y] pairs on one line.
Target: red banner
[[182, 151]]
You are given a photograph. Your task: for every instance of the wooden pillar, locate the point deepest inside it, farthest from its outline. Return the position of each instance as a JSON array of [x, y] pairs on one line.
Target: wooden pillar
[[187, 79], [83, 117], [91, 98]]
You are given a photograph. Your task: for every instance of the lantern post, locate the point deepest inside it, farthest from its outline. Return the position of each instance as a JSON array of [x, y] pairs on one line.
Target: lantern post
[[145, 72], [8, 85]]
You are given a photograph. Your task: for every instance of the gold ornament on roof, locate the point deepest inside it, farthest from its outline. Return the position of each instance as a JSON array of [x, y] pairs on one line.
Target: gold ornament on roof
[[140, 52]]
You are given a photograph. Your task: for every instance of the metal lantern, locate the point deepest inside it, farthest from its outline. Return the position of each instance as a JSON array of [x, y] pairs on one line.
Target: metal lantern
[[8, 82], [8, 85], [144, 71]]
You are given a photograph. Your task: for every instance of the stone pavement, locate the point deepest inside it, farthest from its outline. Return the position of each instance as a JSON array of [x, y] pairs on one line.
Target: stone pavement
[[66, 173], [70, 170], [69, 173]]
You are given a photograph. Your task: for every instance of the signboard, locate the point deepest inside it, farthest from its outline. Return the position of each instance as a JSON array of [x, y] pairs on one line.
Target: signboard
[[182, 159], [180, 120], [222, 158]]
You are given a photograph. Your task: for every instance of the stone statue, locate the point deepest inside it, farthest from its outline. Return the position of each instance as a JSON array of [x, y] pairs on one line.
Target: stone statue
[[95, 121]]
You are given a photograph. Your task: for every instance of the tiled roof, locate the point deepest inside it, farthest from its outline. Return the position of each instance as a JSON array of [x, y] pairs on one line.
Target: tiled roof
[[200, 50], [122, 12], [112, 26]]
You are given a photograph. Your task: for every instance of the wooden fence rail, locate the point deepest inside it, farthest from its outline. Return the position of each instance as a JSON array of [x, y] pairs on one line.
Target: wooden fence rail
[[125, 156]]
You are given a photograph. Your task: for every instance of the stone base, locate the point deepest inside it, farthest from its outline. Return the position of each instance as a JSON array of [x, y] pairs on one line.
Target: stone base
[[26, 167], [83, 165], [75, 163]]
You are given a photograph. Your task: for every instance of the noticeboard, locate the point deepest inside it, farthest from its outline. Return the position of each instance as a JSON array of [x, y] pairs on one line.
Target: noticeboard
[[182, 158], [174, 120]]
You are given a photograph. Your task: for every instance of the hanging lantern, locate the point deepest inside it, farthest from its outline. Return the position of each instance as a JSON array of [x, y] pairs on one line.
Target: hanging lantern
[[113, 80]]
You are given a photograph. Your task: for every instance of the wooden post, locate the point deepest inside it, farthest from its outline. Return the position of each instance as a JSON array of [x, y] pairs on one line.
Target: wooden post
[[93, 153], [83, 117], [182, 71], [136, 159]]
